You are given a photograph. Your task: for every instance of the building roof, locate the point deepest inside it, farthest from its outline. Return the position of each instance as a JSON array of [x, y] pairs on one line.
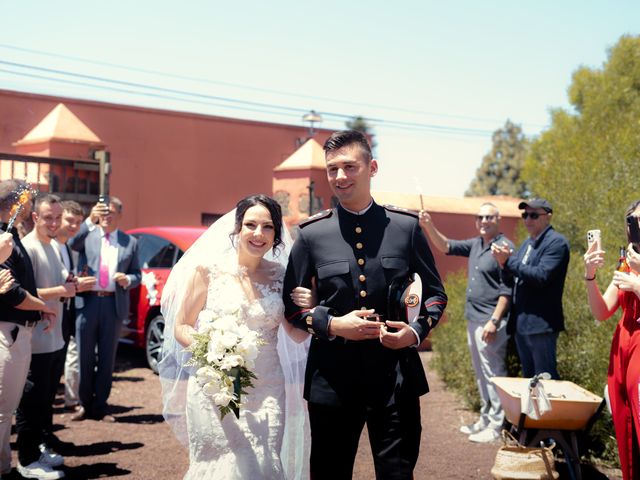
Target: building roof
[[309, 156], [60, 124], [508, 206]]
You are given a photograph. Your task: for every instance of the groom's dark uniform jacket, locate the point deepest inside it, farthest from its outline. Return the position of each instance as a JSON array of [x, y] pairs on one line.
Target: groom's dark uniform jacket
[[354, 259]]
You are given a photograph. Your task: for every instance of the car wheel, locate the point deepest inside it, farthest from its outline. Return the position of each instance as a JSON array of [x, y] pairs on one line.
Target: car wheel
[[153, 341]]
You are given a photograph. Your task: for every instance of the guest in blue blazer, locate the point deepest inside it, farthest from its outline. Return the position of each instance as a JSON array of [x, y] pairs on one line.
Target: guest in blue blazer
[[111, 256], [537, 271]]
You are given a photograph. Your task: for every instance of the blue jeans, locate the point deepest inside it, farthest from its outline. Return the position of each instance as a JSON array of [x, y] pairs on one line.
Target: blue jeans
[[537, 353]]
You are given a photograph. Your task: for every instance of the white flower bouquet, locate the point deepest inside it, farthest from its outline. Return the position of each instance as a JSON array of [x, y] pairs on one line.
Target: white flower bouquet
[[225, 353]]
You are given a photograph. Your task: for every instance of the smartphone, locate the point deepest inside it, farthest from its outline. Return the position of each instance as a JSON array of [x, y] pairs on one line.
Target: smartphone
[[103, 199], [594, 236], [633, 232]]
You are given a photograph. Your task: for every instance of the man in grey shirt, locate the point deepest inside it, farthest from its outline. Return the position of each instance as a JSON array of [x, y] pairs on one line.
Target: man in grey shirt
[[487, 303], [35, 458]]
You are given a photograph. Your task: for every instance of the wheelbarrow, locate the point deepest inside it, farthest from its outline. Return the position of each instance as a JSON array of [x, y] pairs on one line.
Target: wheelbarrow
[[573, 409]]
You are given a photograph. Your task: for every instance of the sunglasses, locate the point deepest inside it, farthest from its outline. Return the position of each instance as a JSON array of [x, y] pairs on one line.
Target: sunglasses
[[533, 215], [488, 218]]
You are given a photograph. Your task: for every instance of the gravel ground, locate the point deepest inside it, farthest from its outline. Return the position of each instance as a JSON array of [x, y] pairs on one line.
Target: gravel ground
[[141, 446]]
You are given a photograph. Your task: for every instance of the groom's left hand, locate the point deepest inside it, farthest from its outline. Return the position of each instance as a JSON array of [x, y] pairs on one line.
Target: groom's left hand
[[402, 338]]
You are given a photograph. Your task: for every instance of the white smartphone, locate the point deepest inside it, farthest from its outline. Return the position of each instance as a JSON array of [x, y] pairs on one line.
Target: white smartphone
[[593, 236]]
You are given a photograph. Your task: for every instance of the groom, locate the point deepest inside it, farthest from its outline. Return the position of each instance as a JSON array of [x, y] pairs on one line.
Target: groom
[[361, 370]]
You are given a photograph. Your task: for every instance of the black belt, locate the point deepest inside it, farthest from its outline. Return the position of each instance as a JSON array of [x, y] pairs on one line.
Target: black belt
[[98, 293]]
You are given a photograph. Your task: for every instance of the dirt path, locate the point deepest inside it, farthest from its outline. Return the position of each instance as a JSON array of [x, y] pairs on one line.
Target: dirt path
[[141, 446]]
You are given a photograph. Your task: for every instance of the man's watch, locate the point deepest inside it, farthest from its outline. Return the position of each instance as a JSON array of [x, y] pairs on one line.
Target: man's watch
[[496, 321]]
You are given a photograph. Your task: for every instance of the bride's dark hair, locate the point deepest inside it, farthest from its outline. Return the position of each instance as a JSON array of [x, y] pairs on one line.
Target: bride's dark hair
[[270, 204]]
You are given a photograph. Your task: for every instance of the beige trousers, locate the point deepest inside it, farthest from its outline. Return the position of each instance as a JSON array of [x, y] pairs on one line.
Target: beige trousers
[[15, 358], [72, 374]]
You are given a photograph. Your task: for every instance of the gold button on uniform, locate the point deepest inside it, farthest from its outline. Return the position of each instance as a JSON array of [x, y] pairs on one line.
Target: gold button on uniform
[[362, 278], [359, 246], [363, 293], [361, 261], [358, 229]]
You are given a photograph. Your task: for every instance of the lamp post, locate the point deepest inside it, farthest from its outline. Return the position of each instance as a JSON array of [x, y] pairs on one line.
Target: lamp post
[[312, 117], [311, 188]]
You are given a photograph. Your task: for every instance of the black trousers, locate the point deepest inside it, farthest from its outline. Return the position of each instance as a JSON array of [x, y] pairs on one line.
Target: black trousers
[[31, 416], [394, 435], [57, 369]]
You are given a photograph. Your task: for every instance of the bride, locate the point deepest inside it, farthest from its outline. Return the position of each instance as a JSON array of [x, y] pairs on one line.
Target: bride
[[237, 266]]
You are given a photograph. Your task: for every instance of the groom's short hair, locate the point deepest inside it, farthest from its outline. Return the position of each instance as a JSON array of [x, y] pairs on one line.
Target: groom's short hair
[[348, 138]]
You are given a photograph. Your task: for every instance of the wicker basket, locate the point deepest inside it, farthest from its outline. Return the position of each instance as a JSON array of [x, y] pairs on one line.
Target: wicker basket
[[515, 462]]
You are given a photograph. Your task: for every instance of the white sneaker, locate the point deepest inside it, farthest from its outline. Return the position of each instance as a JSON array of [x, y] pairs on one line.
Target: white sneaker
[[472, 428], [49, 457], [488, 435], [40, 471]]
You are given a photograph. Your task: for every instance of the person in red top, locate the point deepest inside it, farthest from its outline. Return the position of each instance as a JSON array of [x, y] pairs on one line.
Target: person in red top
[[624, 361]]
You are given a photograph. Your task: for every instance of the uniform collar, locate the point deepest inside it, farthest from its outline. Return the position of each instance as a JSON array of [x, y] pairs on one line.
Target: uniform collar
[[361, 212]]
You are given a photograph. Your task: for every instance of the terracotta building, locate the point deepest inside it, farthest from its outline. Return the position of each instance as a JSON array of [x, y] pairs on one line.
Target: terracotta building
[[168, 168], [176, 168]]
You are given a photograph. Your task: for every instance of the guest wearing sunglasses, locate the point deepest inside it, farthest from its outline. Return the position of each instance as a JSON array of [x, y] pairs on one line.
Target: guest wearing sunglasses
[[537, 271], [486, 307]]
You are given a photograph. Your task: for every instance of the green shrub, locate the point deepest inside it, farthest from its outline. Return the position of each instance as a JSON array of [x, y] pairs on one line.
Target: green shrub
[[452, 360]]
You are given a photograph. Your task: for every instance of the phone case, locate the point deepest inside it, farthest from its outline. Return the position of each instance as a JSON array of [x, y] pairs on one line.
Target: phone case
[[593, 236]]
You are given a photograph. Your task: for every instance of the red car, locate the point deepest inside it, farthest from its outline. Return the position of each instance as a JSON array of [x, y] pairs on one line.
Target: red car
[[159, 248]]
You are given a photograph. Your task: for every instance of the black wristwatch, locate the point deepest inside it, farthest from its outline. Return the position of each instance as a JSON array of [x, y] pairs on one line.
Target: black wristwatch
[[496, 321]]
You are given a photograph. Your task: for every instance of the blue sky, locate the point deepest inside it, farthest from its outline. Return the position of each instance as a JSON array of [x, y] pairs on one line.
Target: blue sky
[[435, 78]]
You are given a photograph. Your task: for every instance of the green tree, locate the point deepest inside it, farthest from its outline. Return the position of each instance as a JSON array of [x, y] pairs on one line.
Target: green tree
[[360, 124], [586, 164], [500, 171]]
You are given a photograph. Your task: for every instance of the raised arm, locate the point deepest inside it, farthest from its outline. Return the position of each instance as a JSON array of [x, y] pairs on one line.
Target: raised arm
[[440, 241], [602, 306]]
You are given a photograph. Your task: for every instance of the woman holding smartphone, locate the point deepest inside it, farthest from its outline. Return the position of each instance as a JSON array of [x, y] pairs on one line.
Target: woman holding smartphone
[[624, 360]]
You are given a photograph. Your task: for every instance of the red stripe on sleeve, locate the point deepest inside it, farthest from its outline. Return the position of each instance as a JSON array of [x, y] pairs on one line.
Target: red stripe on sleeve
[[427, 305]]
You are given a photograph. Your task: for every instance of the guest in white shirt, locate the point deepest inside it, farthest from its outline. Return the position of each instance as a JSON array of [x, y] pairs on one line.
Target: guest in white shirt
[[111, 256], [72, 217]]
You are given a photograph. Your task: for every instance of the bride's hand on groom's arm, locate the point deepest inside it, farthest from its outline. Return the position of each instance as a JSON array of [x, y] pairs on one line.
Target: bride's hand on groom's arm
[[354, 326], [303, 297]]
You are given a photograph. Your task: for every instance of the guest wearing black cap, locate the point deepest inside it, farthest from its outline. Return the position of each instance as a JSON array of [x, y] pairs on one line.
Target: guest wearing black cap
[[538, 270]]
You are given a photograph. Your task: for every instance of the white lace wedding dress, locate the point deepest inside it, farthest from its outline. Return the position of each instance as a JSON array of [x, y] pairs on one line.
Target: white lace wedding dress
[[248, 447]]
